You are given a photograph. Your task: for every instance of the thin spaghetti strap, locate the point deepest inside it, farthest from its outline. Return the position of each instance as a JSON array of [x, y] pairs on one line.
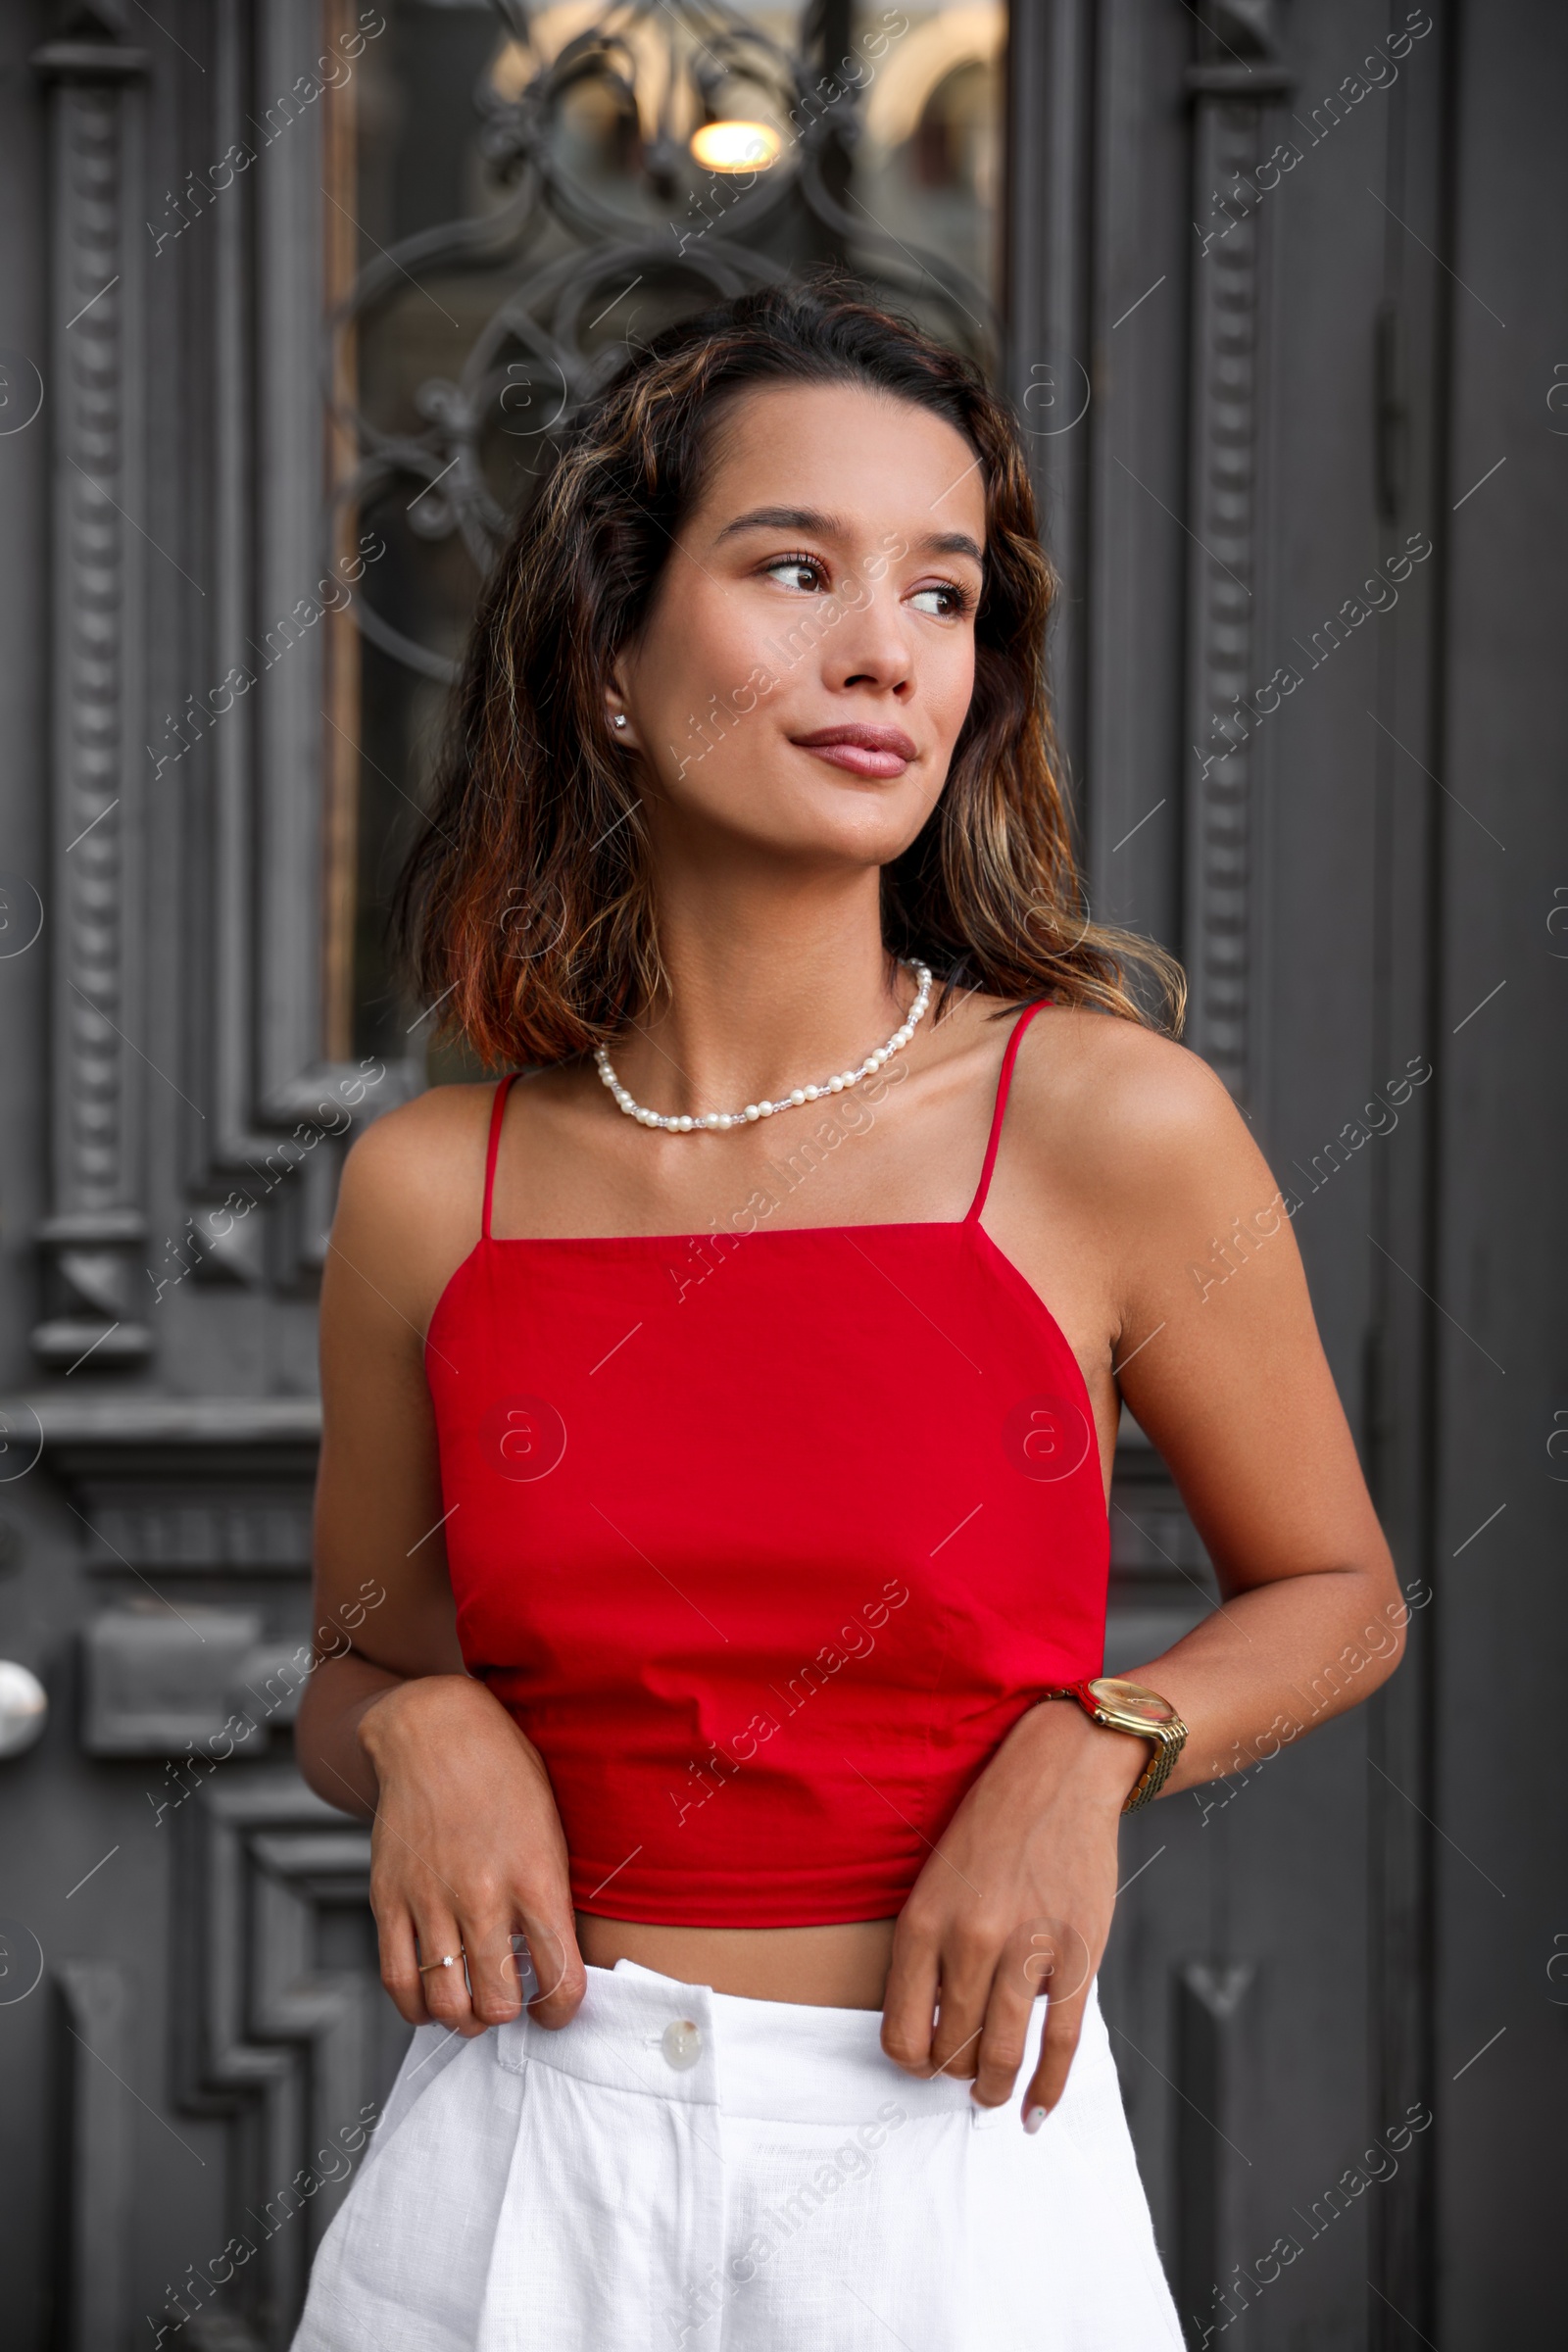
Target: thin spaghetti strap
[[1002, 1084], [501, 1091]]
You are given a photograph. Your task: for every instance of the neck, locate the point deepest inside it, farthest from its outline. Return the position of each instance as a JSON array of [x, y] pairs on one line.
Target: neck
[[770, 987]]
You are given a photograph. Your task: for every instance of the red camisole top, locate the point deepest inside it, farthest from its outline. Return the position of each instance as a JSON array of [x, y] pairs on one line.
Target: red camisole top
[[765, 1538]]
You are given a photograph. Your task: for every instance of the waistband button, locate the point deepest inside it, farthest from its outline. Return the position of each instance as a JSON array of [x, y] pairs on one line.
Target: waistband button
[[681, 2042]]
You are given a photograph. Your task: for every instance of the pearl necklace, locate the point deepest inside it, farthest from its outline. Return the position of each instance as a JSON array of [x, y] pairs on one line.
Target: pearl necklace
[[719, 1119]]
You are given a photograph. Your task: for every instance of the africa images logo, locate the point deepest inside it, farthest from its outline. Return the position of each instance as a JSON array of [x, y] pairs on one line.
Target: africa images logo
[[1047, 1437], [524, 1437]]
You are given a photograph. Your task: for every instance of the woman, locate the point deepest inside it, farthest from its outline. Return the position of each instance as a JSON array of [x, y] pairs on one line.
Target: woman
[[746, 1825]]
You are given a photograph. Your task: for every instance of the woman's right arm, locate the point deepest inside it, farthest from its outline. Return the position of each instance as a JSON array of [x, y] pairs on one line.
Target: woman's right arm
[[467, 1848]]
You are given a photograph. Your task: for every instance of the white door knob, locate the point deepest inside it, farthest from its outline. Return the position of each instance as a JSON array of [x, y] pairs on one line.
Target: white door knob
[[23, 1708]]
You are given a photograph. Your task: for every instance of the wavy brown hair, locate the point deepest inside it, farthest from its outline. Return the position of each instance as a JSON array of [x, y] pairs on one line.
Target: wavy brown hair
[[526, 908]]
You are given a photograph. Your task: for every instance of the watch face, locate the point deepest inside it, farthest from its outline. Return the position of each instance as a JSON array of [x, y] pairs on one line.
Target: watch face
[[1132, 1702]]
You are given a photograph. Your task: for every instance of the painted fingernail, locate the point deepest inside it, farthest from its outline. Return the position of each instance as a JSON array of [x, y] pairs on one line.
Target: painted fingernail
[[1034, 2119]]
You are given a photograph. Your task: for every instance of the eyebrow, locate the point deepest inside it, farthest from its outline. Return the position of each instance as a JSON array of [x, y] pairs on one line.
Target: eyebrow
[[814, 524]]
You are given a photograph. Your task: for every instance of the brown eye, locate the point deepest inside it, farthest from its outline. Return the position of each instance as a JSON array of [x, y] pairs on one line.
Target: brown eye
[[807, 564], [949, 601]]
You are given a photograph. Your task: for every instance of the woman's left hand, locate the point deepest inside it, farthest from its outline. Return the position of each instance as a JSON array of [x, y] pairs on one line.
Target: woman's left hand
[[1015, 1900]]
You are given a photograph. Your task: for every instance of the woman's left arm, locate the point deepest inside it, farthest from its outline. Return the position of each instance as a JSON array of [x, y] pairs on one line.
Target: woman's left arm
[[1225, 1373]]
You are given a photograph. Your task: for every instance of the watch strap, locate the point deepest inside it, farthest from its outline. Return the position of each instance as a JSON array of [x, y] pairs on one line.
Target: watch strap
[[1157, 1771]]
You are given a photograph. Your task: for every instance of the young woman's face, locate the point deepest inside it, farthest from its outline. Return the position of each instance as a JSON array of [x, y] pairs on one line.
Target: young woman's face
[[808, 658]]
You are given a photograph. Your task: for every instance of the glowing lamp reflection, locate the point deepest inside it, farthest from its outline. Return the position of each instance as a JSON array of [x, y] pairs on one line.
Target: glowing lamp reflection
[[735, 146]]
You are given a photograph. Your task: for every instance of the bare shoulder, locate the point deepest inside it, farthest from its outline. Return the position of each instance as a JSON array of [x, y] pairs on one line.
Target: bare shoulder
[[412, 1193], [1123, 1108], [419, 1155]]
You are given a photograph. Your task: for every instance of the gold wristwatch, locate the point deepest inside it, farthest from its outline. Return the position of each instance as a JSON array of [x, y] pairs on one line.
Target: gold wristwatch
[[1130, 1708]]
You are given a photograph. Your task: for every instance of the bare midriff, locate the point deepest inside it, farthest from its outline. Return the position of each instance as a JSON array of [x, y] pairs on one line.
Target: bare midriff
[[841, 1967]]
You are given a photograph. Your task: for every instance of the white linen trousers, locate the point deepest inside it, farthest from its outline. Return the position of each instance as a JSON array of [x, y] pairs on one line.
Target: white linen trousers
[[679, 2170]]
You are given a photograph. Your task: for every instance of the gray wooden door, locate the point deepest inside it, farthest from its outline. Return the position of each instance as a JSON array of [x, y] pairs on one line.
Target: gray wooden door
[[1279, 297]]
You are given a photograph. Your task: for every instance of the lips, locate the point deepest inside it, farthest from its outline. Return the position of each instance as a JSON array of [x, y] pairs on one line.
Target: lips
[[864, 751]]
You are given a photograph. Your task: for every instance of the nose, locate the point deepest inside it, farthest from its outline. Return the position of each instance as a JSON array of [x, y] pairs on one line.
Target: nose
[[872, 647]]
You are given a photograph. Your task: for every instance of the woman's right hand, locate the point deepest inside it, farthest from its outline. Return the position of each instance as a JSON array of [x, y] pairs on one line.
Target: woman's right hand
[[466, 1851]]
